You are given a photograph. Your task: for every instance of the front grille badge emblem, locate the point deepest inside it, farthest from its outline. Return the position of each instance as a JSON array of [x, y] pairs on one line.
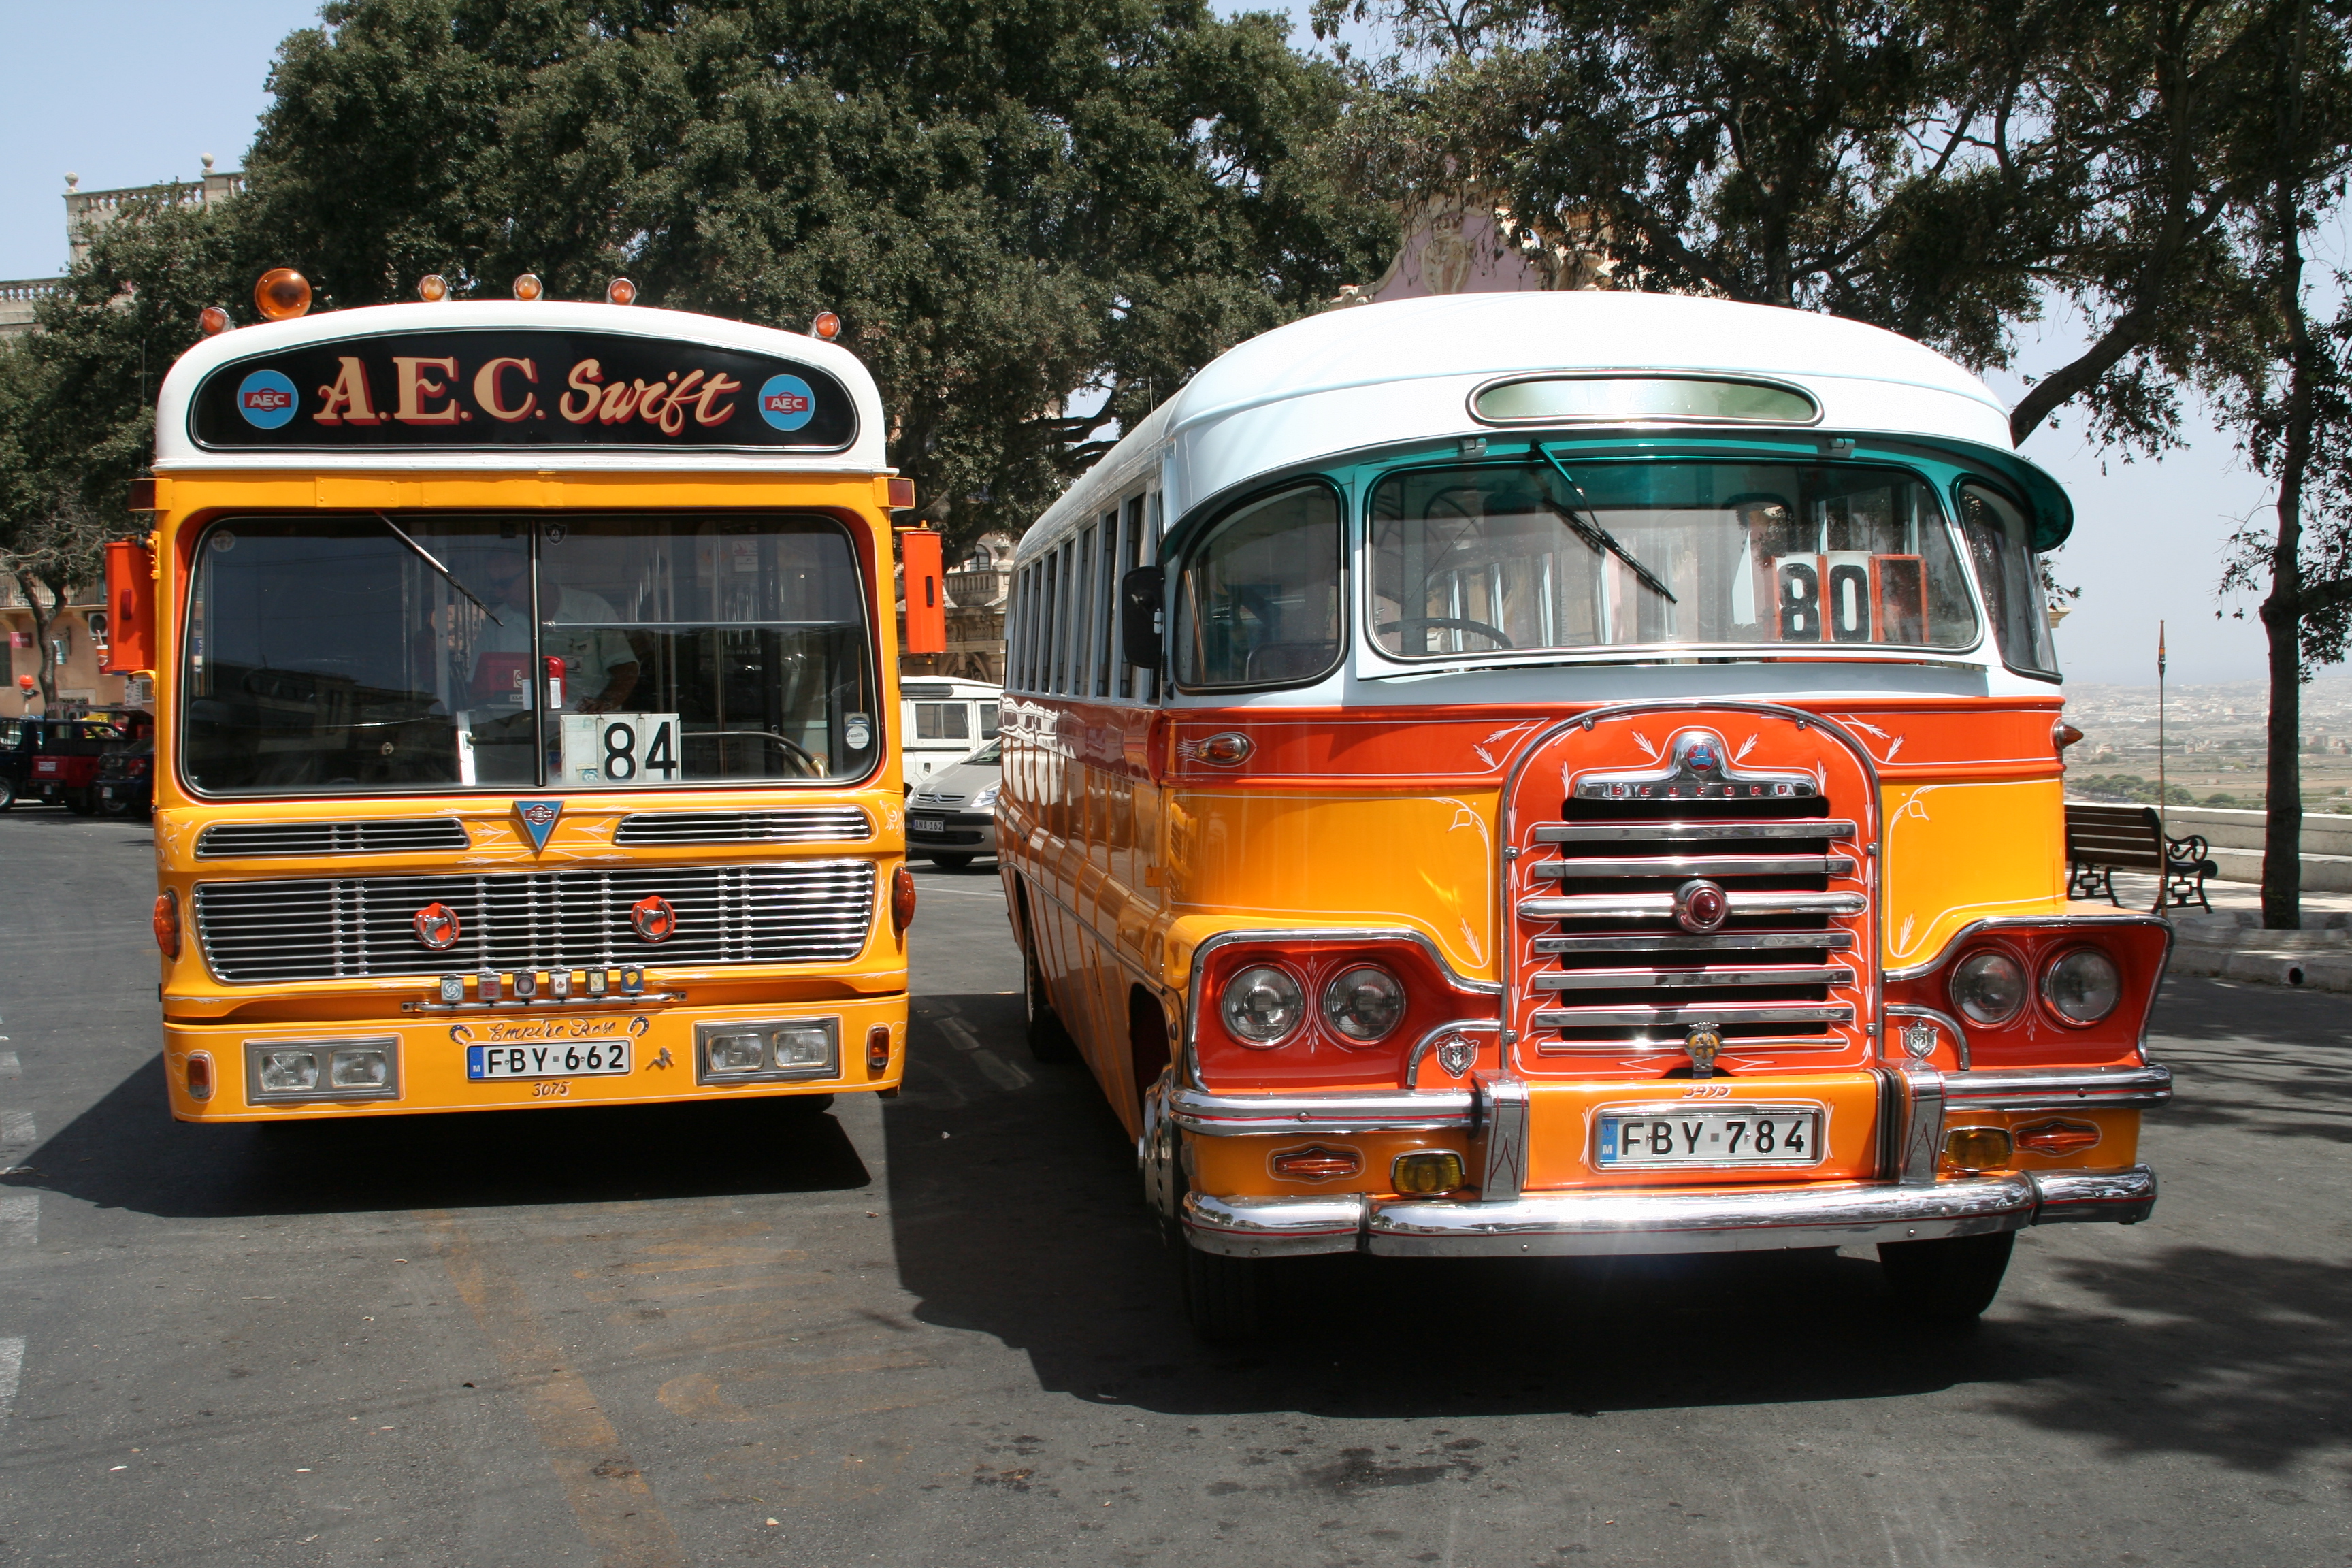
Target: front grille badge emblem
[[538, 816], [1701, 905], [1703, 1044], [1456, 1054]]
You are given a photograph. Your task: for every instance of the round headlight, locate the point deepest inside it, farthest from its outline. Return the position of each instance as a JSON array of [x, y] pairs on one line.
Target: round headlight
[[1989, 987], [1364, 1002], [1263, 1006], [2083, 986]]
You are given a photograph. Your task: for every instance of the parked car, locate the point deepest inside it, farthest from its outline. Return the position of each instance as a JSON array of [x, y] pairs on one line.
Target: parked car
[[53, 760], [952, 818], [941, 722], [126, 779]]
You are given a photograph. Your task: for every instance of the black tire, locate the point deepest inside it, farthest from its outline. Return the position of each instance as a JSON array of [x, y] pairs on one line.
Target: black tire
[[82, 801], [122, 807], [1223, 1297], [1947, 1281], [1048, 1040], [950, 862], [8, 794]]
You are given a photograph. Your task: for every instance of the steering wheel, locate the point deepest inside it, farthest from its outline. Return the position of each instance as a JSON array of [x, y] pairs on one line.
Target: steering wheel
[[1450, 623]]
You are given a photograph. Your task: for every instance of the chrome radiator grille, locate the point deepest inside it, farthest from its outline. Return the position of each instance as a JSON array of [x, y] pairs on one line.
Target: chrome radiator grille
[[330, 929], [1612, 970], [223, 840], [809, 824]]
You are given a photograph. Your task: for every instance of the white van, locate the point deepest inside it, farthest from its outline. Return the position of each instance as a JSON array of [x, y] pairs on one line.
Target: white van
[[944, 722]]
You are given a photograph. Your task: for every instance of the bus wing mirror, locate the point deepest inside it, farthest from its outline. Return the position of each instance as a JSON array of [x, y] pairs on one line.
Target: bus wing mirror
[[1139, 630]]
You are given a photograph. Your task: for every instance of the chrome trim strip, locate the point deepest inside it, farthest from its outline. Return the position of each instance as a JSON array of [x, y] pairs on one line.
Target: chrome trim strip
[[1661, 906], [1837, 940], [1262, 1227], [2093, 1197], [1503, 1116], [2026, 923], [1906, 1010], [1686, 979], [1698, 832], [1198, 1110], [1738, 1045], [2060, 1089], [1735, 1220], [1695, 865], [1694, 1013]]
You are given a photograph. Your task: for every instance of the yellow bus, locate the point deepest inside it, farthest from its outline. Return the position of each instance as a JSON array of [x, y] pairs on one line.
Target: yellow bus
[[525, 676], [1564, 773]]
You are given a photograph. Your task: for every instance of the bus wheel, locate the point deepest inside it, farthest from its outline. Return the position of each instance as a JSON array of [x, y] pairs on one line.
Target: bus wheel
[[950, 862], [1048, 1040], [1222, 1295], [1949, 1281]]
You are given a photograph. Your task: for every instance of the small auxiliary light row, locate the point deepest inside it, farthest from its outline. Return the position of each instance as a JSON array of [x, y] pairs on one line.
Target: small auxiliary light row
[[283, 294], [545, 988]]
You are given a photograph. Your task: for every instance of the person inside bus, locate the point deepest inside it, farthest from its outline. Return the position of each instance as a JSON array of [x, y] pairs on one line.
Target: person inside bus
[[600, 667]]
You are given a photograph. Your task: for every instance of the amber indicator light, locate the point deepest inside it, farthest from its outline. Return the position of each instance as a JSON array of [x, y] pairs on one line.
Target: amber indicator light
[[282, 294], [166, 918], [2058, 1139], [1317, 1163], [902, 900], [877, 1051]]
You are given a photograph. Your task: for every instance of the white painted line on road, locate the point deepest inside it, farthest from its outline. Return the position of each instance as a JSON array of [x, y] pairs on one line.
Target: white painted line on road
[[9, 1066], [12, 1370], [17, 1134], [959, 1034], [999, 1071], [20, 1220]]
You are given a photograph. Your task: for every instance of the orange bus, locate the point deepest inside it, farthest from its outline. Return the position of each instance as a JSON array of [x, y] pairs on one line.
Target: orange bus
[[526, 679], [1560, 773]]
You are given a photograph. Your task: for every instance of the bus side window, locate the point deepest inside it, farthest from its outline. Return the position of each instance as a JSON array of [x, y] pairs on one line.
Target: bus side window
[[1259, 600]]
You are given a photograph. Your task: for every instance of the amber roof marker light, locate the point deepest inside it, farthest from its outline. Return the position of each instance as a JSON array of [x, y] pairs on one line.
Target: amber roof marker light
[[281, 294], [620, 292], [824, 324], [529, 287], [433, 287], [214, 320]]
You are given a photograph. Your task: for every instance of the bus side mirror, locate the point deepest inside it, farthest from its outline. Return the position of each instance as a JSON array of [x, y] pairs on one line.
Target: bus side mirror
[[1139, 630], [131, 607]]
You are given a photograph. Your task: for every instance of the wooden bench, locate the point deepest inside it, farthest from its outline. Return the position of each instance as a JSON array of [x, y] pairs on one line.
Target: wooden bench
[[2102, 840]]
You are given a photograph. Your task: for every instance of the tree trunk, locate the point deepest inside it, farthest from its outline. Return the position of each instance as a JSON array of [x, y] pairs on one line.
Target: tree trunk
[[43, 619], [2282, 611]]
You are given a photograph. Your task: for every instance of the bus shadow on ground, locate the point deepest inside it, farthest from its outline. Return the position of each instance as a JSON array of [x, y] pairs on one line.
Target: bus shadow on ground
[[1027, 1223], [125, 1152]]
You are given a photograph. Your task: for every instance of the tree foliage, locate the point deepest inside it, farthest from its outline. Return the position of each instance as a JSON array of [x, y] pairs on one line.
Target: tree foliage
[[1947, 169]]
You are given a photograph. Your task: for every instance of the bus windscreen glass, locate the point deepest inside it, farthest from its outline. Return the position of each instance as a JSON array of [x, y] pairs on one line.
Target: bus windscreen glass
[[405, 651], [1470, 561]]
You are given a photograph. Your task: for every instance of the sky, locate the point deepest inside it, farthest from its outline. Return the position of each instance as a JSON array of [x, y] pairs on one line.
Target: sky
[[126, 92]]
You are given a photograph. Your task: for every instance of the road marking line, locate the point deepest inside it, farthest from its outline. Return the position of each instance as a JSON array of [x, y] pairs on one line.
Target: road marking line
[[998, 1071], [959, 1034], [20, 1219], [12, 1372], [609, 1497], [16, 1133], [9, 1066]]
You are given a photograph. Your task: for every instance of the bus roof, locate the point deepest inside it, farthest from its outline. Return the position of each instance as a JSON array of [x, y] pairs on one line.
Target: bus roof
[[1370, 375], [784, 400]]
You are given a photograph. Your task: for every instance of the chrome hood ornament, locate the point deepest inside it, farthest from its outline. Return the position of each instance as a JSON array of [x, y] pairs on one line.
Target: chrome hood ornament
[[1703, 1044]]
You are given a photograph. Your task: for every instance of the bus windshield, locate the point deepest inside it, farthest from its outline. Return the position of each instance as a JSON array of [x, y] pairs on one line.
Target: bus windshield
[[1605, 555], [390, 652]]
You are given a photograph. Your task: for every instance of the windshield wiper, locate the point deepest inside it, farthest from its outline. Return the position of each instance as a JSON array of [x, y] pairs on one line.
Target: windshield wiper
[[451, 577], [1597, 537]]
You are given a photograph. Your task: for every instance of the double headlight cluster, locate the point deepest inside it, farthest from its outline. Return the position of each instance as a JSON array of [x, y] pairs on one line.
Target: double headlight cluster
[[2079, 985], [1265, 1005], [285, 1070], [779, 1050]]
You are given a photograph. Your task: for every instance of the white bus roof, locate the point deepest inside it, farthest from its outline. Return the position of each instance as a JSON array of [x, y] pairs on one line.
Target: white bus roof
[[177, 449], [1370, 376]]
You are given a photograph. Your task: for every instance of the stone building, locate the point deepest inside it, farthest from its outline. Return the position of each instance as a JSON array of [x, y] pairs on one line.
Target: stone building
[[978, 587], [86, 212]]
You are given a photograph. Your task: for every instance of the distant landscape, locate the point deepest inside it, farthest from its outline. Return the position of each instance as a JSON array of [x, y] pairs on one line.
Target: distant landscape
[[2213, 738]]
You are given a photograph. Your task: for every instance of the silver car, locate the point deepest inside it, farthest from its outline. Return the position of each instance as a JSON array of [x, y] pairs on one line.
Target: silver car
[[952, 816]]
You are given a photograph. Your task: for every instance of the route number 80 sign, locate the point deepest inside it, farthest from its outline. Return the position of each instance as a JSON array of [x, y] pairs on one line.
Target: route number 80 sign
[[621, 751]]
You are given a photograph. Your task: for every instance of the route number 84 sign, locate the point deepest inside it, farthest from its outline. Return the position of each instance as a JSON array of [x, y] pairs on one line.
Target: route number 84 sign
[[622, 750]]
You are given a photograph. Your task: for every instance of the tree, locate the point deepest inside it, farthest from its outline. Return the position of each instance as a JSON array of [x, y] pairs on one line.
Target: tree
[[2293, 408], [1008, 201], [1944, 169]]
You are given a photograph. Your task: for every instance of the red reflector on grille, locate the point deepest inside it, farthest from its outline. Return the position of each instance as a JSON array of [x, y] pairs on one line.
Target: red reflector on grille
[[2057, 1139], [1316, 1164]]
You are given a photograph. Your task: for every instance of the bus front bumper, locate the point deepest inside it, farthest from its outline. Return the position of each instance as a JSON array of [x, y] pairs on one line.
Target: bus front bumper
[[1618, 1222]]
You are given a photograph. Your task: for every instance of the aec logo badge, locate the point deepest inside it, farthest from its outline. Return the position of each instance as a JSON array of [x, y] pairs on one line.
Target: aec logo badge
[[267, 399], [787, 402]]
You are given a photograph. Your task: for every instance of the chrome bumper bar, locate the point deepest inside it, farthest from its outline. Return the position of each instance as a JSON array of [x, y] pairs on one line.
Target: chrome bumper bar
[[1618, 1222], [1424, 1110], [2058, 1088]]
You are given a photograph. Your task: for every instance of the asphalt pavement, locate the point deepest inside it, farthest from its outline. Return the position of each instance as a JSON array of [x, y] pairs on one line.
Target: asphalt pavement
[[943, 1331]]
